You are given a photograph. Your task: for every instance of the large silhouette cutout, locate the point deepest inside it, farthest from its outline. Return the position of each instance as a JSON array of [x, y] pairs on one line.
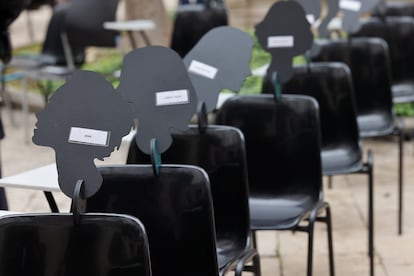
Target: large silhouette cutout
[[85, 119], [155, 82], [332, 11], [285, 32], [352, 10], [221, 59]]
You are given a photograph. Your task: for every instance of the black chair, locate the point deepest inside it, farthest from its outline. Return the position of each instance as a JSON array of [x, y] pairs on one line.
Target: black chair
[[193, 21], [398, 32], [52, 53], [52, 244], [396, 8], [368, 59], [176, 209], [284, 163], [219, 150], [330, 83], [77, 28]]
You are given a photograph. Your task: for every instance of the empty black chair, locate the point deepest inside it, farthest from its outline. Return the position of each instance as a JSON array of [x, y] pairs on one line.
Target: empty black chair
[[330, 83], [192, 21], [51, 245], [52, 52], [368, 59], [176, 209], [284, 163], [396, 8], [220, 152], [398, 32]]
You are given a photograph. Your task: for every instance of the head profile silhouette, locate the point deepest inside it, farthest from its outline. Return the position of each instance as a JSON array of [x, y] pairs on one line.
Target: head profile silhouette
[[312, 8], [84, 119], [213, 66], [156, 84], [352, 10], [284, 33]]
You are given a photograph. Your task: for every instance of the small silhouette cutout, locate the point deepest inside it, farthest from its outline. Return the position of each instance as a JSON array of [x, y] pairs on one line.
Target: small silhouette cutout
[[156, 84], [285, 32], [352, 10], [84, 119], [221, 59]]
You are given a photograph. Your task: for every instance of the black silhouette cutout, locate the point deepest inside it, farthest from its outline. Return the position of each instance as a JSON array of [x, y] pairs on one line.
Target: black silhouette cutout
[[85, 119], [352, 9], [213, 66], [285, 32], [156, 84], [312, 9], [333, 8]]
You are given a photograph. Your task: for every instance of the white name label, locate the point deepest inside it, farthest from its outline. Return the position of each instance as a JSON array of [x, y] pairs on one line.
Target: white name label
[[351, 5], [172, 97], [310, 18], [283, 41], [202, 69], [88, 136]]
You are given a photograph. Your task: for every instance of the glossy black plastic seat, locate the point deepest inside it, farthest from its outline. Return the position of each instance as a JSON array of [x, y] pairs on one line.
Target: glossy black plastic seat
[[175, 208], [52, 53], [398, 32], [220, 151], [52, 245], [76, 28], [192, 21], [284, 163], [396, 8], [368, 59], [330, 83]]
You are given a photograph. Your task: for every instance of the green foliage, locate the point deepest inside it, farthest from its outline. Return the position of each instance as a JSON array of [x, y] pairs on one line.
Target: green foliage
[[404, 109]]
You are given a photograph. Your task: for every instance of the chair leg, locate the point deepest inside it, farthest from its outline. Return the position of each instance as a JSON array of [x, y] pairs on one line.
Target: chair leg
[[370, 211], [256, 260], [400, 179], [330, 241], [330, 181], [312, 219]]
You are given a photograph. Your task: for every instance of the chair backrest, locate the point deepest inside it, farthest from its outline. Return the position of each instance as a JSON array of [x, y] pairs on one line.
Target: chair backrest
[[52, 47], [84, 23], [369, 62], [330, 83], [176, 209], [396, 8], [220, 152], [282, 143], [51, 244], [398, 32], [193, 21]]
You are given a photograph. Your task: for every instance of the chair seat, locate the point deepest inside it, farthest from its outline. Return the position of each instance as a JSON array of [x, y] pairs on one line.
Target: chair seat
[[228, 251], [33, 61], [267, 213], [341, 159], [375, 124], [403, 92]]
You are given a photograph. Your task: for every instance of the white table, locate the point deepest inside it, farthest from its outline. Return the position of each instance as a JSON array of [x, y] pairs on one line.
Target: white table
[[130, 26]]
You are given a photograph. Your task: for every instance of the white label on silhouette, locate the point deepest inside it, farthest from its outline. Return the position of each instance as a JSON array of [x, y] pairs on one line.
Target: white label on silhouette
[[350, 5], [173, 97], [281, 41], [310, 18], [88, 136], [202, 69]]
